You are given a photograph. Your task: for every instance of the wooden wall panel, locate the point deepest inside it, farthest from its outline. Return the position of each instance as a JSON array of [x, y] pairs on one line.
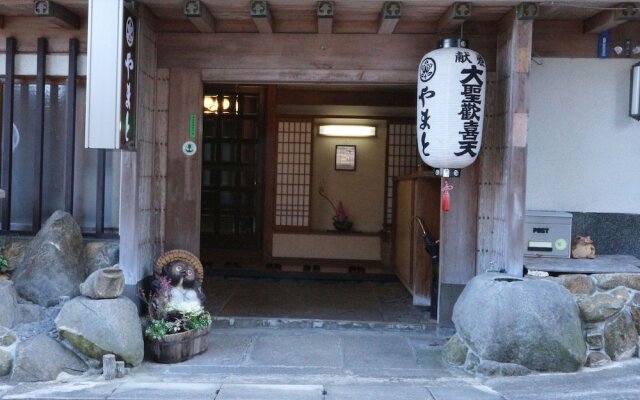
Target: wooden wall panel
[[304, 58], [159, 201], [503, 165], [182, 225], [458, 229], [28, 29]]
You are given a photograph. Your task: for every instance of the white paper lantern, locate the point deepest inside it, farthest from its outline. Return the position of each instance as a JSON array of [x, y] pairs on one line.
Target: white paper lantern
[[451, 89]]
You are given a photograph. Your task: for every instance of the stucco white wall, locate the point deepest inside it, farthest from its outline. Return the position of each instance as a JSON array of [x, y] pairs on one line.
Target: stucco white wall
[[584, 149]]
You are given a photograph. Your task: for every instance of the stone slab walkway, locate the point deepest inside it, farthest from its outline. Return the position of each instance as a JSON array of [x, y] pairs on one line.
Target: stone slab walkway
[[328, 364]]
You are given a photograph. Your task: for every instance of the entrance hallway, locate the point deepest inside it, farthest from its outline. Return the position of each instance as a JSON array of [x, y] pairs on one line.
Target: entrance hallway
[[387, 302]]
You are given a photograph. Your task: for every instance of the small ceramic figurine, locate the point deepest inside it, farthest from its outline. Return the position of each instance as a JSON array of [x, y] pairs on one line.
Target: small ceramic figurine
[[186, 274], [583, 247]]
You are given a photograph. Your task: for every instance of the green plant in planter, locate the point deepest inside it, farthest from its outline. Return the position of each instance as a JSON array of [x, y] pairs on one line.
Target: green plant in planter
[[168, 318]]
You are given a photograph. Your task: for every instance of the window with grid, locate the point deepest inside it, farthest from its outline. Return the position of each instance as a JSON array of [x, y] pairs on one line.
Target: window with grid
[[402, 158], [293, 186]]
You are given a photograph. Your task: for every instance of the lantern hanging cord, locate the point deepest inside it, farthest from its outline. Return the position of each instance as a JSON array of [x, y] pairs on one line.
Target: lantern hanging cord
[[562, 4]]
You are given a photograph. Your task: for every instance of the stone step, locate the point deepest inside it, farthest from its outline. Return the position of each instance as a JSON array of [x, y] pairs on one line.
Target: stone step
[[298, 323]]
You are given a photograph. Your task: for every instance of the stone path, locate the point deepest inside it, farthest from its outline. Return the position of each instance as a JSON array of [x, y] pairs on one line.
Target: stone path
[[328, 364]]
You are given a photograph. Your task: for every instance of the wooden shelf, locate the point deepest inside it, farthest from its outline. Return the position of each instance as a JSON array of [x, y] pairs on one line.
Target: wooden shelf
[[605, 264]]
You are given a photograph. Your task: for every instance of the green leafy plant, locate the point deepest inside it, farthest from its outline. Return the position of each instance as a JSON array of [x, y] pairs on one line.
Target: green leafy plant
[[4, 261], [167, 318], [4, 264]]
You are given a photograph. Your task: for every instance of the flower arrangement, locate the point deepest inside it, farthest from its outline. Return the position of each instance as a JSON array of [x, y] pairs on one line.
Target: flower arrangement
[[340, 220], [168, 318]]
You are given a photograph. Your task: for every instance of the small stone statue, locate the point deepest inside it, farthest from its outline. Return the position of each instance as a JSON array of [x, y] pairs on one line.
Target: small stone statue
[[583, 247], [185, 273]]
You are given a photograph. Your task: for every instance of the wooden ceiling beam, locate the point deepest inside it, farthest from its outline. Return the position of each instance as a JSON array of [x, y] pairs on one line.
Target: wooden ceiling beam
[[456, 15], [389, 17], [200, 16], [611, 18], [324, 13], [60, 15], [261, 16]]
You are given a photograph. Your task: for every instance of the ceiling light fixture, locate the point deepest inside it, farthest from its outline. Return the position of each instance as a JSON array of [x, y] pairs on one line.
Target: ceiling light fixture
[[354, 131]]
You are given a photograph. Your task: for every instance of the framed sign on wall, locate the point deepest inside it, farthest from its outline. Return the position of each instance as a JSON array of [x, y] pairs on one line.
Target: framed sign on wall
[[345, 157]]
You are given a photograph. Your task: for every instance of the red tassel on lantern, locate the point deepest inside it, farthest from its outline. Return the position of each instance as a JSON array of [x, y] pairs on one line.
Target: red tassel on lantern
[[446, 197]]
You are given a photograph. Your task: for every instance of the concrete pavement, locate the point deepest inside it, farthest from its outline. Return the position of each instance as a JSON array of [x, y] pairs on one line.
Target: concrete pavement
[[324, 364]]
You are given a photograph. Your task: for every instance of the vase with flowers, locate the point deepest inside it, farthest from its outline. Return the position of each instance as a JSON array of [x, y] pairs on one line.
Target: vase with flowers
[[340, 219]]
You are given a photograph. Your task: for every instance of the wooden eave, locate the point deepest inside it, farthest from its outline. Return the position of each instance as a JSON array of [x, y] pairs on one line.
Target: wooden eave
[[349, 16]]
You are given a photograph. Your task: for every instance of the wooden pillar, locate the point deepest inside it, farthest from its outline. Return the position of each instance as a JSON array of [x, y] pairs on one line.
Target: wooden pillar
[[138, 221], [182, 225], [503, 161]]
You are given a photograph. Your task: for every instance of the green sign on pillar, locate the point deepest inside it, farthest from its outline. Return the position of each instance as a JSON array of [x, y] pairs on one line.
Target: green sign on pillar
[[193, 122]]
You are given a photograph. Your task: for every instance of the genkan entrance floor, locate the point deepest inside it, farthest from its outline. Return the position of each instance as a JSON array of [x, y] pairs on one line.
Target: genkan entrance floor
[[313, 299]]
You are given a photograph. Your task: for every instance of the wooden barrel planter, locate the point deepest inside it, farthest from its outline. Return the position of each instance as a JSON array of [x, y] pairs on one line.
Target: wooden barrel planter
[[178, 347]]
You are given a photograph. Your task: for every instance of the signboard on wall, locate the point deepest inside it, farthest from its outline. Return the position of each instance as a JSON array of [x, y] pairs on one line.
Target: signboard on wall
[[111, 75], [128, 77]]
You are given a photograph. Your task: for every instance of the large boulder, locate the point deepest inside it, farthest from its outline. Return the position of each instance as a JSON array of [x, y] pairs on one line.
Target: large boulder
[[13, 310], [52, 263], [99, 327], [43, 359], [98, 255], [533, 323], [105, 283]]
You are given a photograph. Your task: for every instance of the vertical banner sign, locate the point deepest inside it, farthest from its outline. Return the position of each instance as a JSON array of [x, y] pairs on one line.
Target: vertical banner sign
[[128, 87]]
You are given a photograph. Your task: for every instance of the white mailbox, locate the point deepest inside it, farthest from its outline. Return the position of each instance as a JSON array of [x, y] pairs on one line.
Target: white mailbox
[[547, 234]]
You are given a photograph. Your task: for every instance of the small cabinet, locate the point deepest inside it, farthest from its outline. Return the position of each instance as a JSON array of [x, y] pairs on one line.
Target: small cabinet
[[415, 196]]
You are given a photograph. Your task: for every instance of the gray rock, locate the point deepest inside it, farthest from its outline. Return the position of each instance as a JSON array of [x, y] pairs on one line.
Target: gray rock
[[578, 283], [492, 368], [43, 359], [471, 362], [634, 308], [105, 283], [612, 281], [14, 312], [14, 252], [8, 342], [620, 337], [8, 302], [599, 307], [52, 263], [621, 292], [98, 255], [533, 323], [99, 327], [454, 351], [595, 340], [597, 359]]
